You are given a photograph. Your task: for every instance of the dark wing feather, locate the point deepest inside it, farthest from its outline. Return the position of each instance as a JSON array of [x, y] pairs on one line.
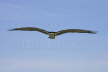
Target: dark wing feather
[[74, 31], [30, 29]]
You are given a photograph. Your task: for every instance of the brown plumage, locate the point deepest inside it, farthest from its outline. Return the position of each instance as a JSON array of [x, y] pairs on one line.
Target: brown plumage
[[53, 34]]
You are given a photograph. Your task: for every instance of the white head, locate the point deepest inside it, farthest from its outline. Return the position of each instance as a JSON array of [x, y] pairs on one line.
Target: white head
[[52, 35]]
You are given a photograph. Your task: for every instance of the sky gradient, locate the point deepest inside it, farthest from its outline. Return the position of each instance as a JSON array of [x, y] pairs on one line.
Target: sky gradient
[[22, 51]]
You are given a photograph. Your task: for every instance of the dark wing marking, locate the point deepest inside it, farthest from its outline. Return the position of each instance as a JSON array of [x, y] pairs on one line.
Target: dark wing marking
[[30, 29], [75, 31]]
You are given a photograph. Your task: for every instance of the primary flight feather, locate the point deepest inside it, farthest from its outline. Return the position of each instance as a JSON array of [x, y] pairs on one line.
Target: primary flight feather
[[53, 34]]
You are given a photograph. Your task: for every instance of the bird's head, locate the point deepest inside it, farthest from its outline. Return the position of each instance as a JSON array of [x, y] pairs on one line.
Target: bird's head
[[52, 35]]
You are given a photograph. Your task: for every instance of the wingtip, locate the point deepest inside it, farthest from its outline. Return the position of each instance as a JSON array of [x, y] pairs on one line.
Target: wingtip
[[11, 30], [94, 32]]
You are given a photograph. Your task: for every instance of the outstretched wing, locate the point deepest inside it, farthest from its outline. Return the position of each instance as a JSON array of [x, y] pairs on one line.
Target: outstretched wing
[[30, 29], [75, 31]]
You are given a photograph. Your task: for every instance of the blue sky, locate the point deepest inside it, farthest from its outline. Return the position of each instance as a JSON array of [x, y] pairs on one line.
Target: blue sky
[[33, 52]]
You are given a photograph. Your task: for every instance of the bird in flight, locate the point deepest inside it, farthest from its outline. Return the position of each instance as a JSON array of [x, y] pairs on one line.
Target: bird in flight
[[53, 34]]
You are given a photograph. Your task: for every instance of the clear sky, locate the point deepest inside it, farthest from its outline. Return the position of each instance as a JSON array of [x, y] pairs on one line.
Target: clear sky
[[22, 51]]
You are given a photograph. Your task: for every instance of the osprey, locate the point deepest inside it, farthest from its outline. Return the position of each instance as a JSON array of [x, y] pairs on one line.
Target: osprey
[[53, 34]]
